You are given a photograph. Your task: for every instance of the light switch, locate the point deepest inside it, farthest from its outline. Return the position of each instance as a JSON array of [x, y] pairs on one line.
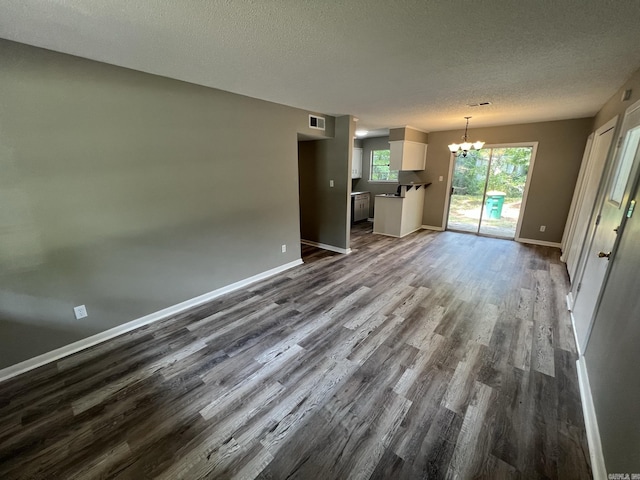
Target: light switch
[[331, 183]]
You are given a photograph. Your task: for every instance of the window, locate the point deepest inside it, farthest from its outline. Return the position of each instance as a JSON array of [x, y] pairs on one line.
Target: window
[[623, 167], [380, 171]]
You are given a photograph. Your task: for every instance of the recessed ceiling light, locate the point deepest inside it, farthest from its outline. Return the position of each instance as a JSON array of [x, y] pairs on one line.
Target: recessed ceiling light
[[480, 104], [361, 133]]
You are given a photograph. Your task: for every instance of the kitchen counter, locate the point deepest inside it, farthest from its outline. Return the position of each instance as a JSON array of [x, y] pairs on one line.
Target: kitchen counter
[[400, 214]]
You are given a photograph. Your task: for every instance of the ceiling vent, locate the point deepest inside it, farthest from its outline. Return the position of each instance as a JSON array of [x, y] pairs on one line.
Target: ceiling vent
[[481, 104], [316, 122]]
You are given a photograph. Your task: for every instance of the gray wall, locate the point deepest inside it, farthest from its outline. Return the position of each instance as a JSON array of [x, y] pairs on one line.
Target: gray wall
[[612, 352], [364, 185], [325, 211], [129, 193], [615, 105], [408, 133], [560, 148]]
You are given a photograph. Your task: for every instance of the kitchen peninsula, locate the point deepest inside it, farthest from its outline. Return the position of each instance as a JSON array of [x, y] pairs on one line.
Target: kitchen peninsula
[[399, 214]]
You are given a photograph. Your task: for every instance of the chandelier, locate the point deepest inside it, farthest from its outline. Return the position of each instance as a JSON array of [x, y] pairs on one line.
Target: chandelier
[[465, 146]]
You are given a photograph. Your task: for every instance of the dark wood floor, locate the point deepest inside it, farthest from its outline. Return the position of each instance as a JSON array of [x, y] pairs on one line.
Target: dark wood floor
[[441, 355]]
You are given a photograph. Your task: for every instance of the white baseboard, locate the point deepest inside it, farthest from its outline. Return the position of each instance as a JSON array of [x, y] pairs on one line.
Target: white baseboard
[[539, 242], [58, 353], [370, 220], [575, 334], [397, 236], [431, 227], [570, 301], [324, 246], [386, 234], [591, 423]]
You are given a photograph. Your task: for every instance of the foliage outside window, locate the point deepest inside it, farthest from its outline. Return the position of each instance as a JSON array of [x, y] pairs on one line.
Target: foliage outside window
[[380, 167], [509, 168]]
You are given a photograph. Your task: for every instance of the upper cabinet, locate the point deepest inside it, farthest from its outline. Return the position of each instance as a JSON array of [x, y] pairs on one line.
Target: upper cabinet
[[407, 155], [356, 163]]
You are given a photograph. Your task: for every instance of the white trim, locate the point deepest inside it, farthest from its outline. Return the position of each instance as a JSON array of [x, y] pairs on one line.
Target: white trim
[[324, 246], [575, 334], [591, 423], [370, 219], [447, 195], [398, 236], [431, 227], [409, 126], [415, 128], [569, 301], [544, 243], [569, 227], [525, 193], [576, 240], [58, 353], [404, 141]]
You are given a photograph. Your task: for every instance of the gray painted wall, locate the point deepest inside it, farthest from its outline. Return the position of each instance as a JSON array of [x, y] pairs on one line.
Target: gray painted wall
[[560, 148], [408, 133], [612, 352], [129, 193], [323, 209], [615, 105]]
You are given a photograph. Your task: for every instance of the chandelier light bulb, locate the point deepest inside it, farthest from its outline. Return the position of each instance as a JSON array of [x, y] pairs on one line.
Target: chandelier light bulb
[[465, 146]]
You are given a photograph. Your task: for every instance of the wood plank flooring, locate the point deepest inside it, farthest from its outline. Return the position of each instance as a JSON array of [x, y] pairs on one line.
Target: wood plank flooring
[[440, 355]]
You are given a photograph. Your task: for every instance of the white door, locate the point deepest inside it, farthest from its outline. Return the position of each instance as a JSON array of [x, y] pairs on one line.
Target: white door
[[586, 201], [611, 212], [569, 228]]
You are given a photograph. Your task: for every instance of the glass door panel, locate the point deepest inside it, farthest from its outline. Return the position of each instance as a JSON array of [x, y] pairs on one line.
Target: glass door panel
[[487, 190], [467, 190], [505, 188]]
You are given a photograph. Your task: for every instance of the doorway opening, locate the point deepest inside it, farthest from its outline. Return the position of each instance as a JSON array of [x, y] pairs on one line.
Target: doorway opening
[[489, 189]]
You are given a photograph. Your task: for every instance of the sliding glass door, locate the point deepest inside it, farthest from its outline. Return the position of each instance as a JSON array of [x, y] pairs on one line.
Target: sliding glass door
[[487, 190]]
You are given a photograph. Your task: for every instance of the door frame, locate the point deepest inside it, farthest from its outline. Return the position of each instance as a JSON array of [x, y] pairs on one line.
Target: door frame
[[582, 221], [525, 193], [576, 201], [631, 187]]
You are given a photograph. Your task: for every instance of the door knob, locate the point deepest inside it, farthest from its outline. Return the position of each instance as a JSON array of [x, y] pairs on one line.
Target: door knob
[[604, 255]]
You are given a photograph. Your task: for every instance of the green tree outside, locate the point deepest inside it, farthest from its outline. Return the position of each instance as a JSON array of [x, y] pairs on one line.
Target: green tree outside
[[509, 168], [380, 167]]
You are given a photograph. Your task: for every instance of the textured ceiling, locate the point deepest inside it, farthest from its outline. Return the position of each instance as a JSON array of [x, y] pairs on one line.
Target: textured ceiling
[[389, 63]]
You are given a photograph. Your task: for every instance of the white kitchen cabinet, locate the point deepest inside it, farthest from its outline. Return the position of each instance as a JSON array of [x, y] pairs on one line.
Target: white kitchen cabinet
[[359, 206], [356, 163], [407, 155]]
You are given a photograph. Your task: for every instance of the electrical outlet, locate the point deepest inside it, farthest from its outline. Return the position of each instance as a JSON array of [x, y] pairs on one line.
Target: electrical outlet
[[80, 311], [331, 183], [543, 228], [284, 249]]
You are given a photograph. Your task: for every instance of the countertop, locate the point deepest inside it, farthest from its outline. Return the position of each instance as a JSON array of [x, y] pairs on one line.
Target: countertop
[[358, 193], [403, 188]]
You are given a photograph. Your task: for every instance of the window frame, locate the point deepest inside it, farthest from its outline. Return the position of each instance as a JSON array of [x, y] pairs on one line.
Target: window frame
[[371, 180]]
